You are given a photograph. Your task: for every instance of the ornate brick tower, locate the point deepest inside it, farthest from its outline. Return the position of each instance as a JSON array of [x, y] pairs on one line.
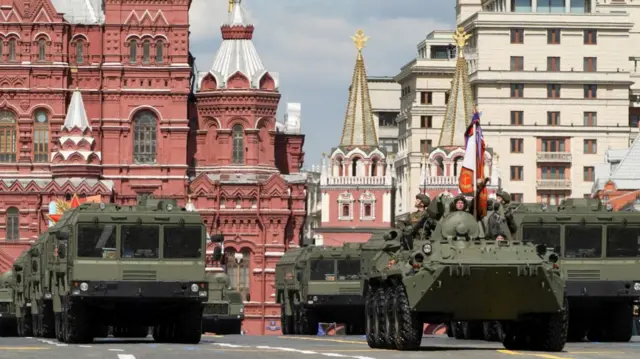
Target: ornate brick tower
[[246, 180], [441, 166], [356, 185]]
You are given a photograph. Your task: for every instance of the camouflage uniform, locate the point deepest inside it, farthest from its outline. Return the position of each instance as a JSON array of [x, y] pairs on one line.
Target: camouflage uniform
[[505, 212], [421, 221]]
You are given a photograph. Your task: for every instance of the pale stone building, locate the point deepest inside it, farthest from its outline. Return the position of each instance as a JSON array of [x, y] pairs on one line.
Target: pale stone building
[[384, 92]]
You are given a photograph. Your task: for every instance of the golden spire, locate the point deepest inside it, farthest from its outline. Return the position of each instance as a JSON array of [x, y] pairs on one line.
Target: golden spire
[[360, 39], [460, 37], [231, 2]]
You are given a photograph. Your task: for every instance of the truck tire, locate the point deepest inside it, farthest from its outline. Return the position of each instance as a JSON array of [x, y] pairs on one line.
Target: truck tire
[[390, 317], [551, 335], [76, 323], [286, 321], [48, 329], [370, 319], [408, 328], [27, 323], [189, 325]]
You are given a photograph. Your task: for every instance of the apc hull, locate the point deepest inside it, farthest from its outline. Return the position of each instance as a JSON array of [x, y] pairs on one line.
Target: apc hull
[[481, 292]]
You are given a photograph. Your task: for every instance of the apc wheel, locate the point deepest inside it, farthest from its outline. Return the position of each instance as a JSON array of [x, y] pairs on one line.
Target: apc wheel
[[551, 332], [456, 328], [378, 305], [390, 317], [370, 319], [515, 336], [492, 331], [408, 329]]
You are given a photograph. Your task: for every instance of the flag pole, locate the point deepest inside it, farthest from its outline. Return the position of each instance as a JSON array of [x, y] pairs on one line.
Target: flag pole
[[475, 176]]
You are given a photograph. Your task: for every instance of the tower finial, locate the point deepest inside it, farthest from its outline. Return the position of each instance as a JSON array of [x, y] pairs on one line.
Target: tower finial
[[231, 2], [460, 37], [360, 39]]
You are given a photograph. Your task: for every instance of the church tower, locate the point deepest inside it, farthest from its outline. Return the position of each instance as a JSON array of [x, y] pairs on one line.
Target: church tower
[[441, 166], [355, 180]]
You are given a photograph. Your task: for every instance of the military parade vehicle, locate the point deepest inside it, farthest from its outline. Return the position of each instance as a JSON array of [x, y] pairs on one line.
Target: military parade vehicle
[[224, 310], [320, 285], [600, 258], [128, 267], [460, 274], [8, 325]]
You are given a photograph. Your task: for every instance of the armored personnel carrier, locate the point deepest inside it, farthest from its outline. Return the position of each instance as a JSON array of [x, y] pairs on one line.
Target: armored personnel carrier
[[224, 311], [128, 267], [320, 284], [599, 256], [7, 310], [459, 274]]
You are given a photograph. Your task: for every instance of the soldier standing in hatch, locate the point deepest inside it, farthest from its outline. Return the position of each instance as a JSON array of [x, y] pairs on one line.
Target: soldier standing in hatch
[[420, 218], [502, 200]]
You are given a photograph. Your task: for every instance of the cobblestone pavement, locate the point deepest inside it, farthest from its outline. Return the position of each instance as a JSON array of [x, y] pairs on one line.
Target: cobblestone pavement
[[293, 347]]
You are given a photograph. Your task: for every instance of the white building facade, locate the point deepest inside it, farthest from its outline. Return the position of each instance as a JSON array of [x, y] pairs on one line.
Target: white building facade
[[384, 92]]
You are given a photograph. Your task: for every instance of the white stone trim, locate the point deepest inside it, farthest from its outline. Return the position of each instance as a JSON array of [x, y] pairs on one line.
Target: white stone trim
[[367, 198], [345, 198], [273, 254]]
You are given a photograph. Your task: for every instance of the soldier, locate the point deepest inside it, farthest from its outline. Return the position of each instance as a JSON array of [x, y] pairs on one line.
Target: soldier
[[419, 220], [422, 202], [459, 203], [503, 199]]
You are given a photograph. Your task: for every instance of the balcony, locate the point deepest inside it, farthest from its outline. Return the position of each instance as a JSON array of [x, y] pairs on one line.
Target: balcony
[[557, 157], [440, 181], [543, 77], [358, 181], [553, 184]]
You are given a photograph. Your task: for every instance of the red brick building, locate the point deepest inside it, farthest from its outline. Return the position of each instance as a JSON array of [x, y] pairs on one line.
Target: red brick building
[[97, 99]]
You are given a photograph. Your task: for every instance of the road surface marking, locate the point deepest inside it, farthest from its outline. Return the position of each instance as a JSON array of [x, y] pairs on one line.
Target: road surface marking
[[539, 355], [126, 356], [24, 348], [115, 350], [85, 346], [326, 340], [231, 345], [50, 342], [335, 355]]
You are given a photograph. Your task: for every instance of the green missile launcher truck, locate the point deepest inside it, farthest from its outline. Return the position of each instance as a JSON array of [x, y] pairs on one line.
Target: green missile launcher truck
[[460, 273], [8, 323], [128, 267], [320, 284], [224, 311], [600, 257]]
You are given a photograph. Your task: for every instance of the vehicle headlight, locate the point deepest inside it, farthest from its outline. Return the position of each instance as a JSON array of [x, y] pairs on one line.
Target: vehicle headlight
[[169, 207], [636, 286], [241, 310], [427, 248], [315, 298], [194, 287], [84, 287]]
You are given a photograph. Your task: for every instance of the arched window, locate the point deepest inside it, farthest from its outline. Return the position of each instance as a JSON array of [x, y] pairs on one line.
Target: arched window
[[159, 51], [12, 50], [374, 167], [146, 51], [40, 137], [238, 202], [144, 137], [354, 166], [457, 166], [79, 51], [133, 51], [238, 144], [13, 224], [238, 266], [367, 210], [42, 49], [8, 139], [346, 210]]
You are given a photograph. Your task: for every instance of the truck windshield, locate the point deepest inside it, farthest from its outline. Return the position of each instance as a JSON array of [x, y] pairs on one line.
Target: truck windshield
[[548, 235], [183, 242], [96, 241], [348, 269], [582, 241], [140, 241], [323, 269], [623, 241]]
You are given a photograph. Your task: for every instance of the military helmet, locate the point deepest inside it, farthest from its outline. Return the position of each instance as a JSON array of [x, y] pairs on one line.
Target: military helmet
[[424, 198], [506, 197]]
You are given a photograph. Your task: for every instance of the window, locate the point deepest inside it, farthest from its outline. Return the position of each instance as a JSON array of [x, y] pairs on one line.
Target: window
[[367, 210], [553, 63], [548, 235], [387, 118], [146, 51], [254, 203], [552, 173], [590, 119], [517, 63], [346, 210], [42, 49], [133, 51], [145, 137], [322, 269], [581, 6], [446, 98], [517, 90], [516, 145], [590, 37], [140, 241], [516, 173], [426, 121], [553, 118], [13, 224], [97, 241], [517, 118], [517, 35], [159, 51], [348, 269], [553, 145], [182, 242], [426, 98], [588, 173], [590, 64], [79, 51], [551, 6], [238, 144], [590, 91], [12, 50], [516, 197], [553, 36], [552, 199], [590, 147], [238, 202], [425, 145], [238, 266], [582, 241], [622, 241], [634, 120], [41, 137], [553, 91], [8, 138]]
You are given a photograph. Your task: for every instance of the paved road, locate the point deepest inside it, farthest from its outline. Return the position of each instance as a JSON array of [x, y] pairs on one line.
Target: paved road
[[249, 347]]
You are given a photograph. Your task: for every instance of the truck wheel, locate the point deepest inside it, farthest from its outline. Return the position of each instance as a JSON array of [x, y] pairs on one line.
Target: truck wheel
[[162, 333], [390, 317], [370, 319], [449, 330], [551, 336], [75, 323], [408, 328], [48, 329], [57, 317], [378, 305], [27, 323], [286, 321], [189, 325]]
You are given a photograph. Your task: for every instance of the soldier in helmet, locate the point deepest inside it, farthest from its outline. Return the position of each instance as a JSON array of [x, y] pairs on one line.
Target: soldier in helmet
[[420, 219], [503, 199], [421, 204]]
